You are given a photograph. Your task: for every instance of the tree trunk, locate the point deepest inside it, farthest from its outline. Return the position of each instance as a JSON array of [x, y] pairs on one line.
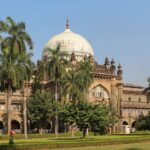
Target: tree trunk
[[56, 116], [25, 112], [110, 130], [72, 130], [9, 92], [87, 131], [84, 132]]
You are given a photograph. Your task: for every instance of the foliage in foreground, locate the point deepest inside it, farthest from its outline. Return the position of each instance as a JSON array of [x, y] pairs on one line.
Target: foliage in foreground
[[41, 109], [85, 115], [143, 122]]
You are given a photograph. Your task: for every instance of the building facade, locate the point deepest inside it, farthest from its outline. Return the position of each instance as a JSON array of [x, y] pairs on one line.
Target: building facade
[[108, 87]]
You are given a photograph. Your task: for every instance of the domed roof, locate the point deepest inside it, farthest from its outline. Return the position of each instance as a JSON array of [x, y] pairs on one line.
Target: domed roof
[[70, 42]]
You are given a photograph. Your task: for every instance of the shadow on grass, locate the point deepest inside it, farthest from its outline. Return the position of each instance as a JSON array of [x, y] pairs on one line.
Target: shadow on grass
[[73, 139], [66, 138], [133, 149], [7, 147]]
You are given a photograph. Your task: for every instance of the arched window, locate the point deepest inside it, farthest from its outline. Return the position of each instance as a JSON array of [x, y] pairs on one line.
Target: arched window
[[125, 123], [133, 124], [15, 124], [1, 125], [99, 92]]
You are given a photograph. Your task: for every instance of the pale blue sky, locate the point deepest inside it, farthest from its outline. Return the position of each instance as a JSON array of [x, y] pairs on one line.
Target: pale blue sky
[[119, 29]]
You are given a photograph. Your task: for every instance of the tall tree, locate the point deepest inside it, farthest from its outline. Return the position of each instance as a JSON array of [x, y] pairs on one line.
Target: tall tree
[[26, 67], [77, 80], [17, 39], [71, 85], [56, 69], [86, 77], [12, 46], [41, 108], [143, 122], [147, 90]]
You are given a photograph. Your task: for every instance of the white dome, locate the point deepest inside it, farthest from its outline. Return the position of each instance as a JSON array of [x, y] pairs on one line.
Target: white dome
[[70, 42]]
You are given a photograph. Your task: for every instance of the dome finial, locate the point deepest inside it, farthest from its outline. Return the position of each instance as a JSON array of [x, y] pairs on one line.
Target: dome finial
[[67, 23]]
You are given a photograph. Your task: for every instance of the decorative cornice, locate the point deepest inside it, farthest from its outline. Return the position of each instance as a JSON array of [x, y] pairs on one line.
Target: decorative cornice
[[135, 105], [102, 75], [133, 92], [132, 86]]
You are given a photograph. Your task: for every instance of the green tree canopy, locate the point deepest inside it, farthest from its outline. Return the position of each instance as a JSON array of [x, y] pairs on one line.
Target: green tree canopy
[[42, 108], [77, 80], [86, 115], [143, 122]]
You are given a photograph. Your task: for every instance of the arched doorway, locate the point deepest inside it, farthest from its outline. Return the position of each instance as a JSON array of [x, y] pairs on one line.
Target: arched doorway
[[15, 125], [125, 123], [126, 127], [1, 125], [133, 124]]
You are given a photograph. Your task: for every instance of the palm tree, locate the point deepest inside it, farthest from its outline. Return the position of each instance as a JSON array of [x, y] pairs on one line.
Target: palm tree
[[9, 77], [12, 46], [27, 67], [86, 77], [71, 85], [85, 68], [41, 71], [77, 80], [17, 39], [55, 70]]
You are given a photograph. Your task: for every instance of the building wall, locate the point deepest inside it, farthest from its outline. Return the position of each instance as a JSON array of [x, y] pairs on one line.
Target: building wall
[[128, 101], [133, 103], [16, 114]]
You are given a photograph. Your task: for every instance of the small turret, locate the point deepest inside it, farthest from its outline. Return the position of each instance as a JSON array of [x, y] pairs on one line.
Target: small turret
[[119, 72], [67, 23], [113, 66], [112, 62], [107, 61], [107, 64]]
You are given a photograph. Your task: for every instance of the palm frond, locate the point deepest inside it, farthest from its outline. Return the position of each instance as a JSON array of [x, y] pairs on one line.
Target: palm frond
[[3, 27], [10, 21]]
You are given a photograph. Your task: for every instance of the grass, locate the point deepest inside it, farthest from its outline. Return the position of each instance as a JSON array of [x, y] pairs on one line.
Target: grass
[[21, 136], [135, 146], [64, 141]]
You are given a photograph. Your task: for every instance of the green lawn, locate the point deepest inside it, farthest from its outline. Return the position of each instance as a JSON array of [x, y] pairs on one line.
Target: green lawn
[[49, 142], [135, 146]]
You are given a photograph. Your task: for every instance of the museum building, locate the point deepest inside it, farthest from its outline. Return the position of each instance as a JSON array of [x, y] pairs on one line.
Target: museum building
[[108, 86]]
